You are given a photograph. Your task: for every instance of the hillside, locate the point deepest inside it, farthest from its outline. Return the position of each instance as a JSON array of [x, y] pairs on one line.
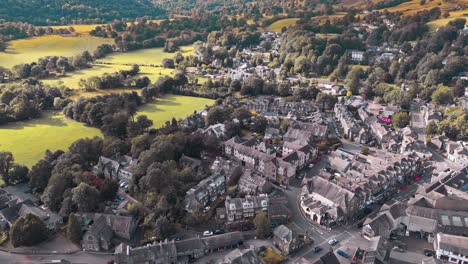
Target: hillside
[[41, 12]]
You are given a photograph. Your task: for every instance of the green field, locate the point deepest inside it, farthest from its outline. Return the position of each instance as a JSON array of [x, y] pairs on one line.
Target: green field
[[73, 78], [170, 106], [278, 25], [31, 49], [29, 140], [152, 56], [123, 61]]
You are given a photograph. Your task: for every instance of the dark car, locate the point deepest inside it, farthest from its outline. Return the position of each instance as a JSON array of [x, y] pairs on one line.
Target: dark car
[[219, 232], [342, 253], [317, 249]]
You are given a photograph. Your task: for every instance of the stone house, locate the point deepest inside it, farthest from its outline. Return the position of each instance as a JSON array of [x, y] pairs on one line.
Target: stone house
[[205, 193], [118, 169], [287, 240], [103, 228]]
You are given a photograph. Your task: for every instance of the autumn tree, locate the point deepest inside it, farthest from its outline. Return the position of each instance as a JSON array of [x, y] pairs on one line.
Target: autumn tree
[[401, 119], [262, 225]]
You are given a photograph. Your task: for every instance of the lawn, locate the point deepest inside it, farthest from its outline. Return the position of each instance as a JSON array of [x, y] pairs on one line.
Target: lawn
[[278, 25], [31, 49], [29, 140], [179, 107]]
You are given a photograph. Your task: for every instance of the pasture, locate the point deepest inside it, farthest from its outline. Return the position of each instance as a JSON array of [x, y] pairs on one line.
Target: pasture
[[278, 25], [29, 140], [124, 61], [414, 6], [31, 49], [80, 29], [179, 107], [435, 24]]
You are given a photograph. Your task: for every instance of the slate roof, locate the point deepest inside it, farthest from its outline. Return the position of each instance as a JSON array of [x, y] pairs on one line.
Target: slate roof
[[284, 233], [189, 245], [101, 229], [223, 240], [247, 256]]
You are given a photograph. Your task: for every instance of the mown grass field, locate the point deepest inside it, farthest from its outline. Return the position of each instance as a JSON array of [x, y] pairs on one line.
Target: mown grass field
[[435, 24], [124, 61], [413, 6], [179, 107], [81, 29], [73, 78], [29, 140], [31, 49], [323, 19], [278, 25]]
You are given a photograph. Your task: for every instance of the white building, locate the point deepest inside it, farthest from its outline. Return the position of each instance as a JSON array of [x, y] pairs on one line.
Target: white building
[[451, 248]]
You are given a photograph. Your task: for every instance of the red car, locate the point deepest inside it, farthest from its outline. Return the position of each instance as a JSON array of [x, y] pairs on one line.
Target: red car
[[403, 187], [416, 178]]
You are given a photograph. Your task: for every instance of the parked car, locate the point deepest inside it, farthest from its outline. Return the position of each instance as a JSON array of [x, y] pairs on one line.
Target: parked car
[[332, 242], [122, 184], [207, 233], [399, 249], [317, 249], [342, 253], [219, 232], [120, 197]]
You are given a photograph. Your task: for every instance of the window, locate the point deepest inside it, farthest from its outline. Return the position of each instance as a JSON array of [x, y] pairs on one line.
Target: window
[[90, 238]]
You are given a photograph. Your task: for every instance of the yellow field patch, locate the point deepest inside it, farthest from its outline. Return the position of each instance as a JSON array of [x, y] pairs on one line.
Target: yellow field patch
[[173, 106], [81, 29], [31, 49], [280, 24], [29, 140], [444, 21]]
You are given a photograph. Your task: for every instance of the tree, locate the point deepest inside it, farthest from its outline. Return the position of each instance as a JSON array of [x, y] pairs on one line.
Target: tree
[[365, 150], [400, 119], [431, 128], [259, 124], [27, 230], [442, 96], [262, 224], [109, 189], [215, 115], [163, 228], [39, 175], [241, 114], [352, 80], [6, 163], [326, 101], [18, 174], [85, 197], [74, 229]]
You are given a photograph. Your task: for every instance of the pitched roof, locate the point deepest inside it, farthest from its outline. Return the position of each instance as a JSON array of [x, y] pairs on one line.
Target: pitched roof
[[223, 240], [284, 233], [246, 256]]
